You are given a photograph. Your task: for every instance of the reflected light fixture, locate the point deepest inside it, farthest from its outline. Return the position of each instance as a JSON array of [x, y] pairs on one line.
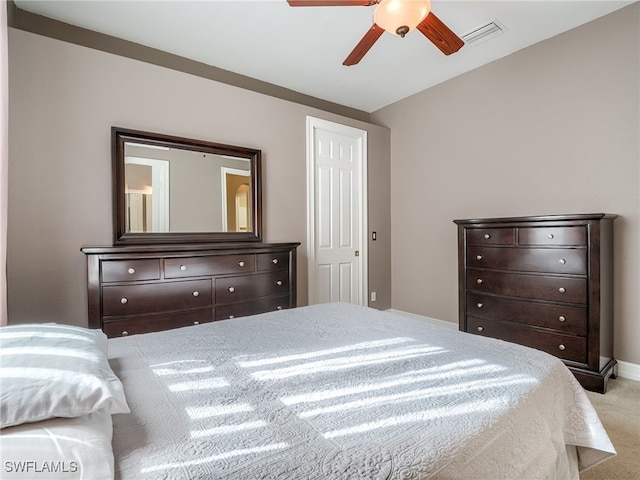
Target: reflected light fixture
[[400, 16]]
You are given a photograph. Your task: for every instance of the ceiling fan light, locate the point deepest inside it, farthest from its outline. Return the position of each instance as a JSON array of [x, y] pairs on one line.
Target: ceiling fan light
[[400, 16]]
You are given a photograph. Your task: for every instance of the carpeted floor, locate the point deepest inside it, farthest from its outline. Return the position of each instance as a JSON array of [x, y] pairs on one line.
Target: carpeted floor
[[619, 411]]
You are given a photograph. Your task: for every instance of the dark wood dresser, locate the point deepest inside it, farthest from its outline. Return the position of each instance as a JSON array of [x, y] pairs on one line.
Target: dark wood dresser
[[139, 289], [545, 282]]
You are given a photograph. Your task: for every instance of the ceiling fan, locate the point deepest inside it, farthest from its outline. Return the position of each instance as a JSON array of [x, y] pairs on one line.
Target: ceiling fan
[[394, 16]]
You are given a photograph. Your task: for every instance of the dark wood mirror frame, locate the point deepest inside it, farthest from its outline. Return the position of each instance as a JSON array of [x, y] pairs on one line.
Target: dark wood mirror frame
[[119, 136]]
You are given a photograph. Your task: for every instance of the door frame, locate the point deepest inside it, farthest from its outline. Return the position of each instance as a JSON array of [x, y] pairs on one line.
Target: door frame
[[224, 171], [314, 124], [160, 190]]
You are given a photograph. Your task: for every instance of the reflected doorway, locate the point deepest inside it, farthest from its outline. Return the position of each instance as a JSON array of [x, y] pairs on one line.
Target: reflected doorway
[[236, 197], [147, 195]]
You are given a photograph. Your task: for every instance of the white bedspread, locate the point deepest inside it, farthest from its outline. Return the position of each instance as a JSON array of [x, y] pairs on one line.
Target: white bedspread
[[345, 392]]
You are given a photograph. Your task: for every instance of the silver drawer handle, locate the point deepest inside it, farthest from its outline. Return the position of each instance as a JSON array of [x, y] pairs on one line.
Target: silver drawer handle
[[131, 270], [550, 236], [232, 316], [124, 300], [486, 235], [562, 261], [196, 293], [274, 261], [183, 267], [125, 333], [480, 329], [479, 305], [196, 323], [562, 318], [562, 347], [279, 307], [241, 263], [279, 283], [478, 257], [562, 289], [479, 281], [232, 289]]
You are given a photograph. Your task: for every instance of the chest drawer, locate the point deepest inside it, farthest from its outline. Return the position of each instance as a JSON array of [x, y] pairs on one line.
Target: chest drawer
[[566, 347], [205, 266], [541, 287], [234, 289], [272, 261], [491, 236], [558, 317], [253, 307], [154, 323], [553, 284], [551, 260], [552, 235], [155, 297], [130, 270]]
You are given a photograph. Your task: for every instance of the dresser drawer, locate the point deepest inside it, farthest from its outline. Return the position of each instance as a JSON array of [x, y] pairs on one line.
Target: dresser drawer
[[253, 307], [149, 288], [558, 317], [566, 347], [551, 260], [553, 236], [272, 261], [491, 236], [234, 289], [155, 297], [154, 323], [205, 266], [541, 287], [130, 270]]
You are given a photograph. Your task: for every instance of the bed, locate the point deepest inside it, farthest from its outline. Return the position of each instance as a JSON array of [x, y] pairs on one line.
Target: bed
[[339, 391]]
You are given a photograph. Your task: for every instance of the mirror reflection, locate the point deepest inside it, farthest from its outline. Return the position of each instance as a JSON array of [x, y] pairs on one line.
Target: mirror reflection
[[174, 190], [178, 190]]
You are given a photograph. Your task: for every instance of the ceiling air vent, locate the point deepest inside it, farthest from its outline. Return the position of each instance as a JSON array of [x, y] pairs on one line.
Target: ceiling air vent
[[483, 33]]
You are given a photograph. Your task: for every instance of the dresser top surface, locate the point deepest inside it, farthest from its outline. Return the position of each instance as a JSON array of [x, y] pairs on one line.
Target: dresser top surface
[[189, 248], [538, 218]]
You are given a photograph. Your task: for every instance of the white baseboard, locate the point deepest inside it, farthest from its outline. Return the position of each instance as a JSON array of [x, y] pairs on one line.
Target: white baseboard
[[629, 370], [626, 370], [442, 323]]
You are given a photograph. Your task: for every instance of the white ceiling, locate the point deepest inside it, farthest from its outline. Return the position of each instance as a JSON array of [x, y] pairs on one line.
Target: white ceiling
[[302, 49]]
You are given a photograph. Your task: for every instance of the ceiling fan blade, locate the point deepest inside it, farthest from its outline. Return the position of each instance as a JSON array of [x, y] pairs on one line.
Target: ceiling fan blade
[[330, 3], [441, 35], [364, 45]]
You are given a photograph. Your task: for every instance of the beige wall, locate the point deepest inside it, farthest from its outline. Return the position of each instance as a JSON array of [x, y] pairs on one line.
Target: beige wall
[[551, 129], [63, 101]]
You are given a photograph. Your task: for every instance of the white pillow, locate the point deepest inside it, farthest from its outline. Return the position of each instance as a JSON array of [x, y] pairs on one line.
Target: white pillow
[[51, 370], [59, 449]]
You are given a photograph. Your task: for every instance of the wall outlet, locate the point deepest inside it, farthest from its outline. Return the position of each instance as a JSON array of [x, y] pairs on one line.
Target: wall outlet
[[374, 296]]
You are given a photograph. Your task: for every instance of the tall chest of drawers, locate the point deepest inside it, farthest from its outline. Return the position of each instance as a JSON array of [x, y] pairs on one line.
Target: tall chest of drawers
[[545, 282], [144, 289]]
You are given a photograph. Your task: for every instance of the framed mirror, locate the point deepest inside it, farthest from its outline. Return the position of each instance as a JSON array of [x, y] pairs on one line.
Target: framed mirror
[[172, 190]]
